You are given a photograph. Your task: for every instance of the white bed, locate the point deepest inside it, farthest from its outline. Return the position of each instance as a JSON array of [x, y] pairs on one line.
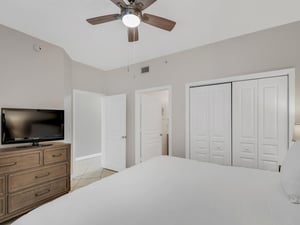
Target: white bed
[[173, 191]]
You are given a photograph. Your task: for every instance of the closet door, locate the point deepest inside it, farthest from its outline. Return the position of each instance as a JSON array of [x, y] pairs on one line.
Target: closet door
[[245, 127], [220, 124], [210, 124], [272, 121], [199, 123]]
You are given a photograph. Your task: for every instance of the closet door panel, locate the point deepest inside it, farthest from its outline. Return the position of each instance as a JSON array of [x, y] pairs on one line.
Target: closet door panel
[[199, 123], [273, 122], [245, 141], [220, 124]]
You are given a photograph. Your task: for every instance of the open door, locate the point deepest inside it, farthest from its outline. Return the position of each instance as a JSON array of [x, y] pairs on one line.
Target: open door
[[151, 127], [114, 132]]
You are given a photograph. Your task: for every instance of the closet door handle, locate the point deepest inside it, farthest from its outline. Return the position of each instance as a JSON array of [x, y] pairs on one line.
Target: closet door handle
[[124, 137]]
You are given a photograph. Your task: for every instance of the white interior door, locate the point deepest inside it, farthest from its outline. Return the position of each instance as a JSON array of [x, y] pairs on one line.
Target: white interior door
[[273, 121], [114, 132], [210, 123], [245, 138], [151, 127]]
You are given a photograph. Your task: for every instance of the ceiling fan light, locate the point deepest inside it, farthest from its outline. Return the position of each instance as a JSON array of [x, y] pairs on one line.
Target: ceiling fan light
[[131, 20]]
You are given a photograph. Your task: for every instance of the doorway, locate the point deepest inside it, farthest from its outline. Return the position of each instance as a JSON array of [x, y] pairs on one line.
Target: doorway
[[99, 132], [86, 131], [153, 123]]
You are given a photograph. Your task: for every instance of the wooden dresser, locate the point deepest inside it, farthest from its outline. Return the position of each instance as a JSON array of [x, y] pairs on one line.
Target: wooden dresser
[[32, 176]]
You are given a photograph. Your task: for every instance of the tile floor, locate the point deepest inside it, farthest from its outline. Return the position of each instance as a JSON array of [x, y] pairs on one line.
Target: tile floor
[[89, 177], [85, 178]]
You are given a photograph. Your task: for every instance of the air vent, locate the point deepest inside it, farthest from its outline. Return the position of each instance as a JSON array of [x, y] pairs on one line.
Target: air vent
[[145, 69]]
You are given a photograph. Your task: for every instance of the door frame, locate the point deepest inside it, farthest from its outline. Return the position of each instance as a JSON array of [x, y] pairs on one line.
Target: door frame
[[137, 118], [289, 72]]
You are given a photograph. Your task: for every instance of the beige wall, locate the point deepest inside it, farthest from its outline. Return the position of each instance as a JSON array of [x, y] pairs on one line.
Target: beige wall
[[45, 79], [87, 78], [272, 49], [31, 79], [68, 98]]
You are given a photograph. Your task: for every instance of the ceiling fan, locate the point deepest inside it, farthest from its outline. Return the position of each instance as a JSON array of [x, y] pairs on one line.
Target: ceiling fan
[[132, 15]]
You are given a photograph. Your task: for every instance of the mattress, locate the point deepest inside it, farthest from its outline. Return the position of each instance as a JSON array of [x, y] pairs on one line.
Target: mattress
[[173, 191]]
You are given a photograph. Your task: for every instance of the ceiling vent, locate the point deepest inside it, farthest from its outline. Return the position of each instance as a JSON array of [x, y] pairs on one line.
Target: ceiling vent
[[145, 69]]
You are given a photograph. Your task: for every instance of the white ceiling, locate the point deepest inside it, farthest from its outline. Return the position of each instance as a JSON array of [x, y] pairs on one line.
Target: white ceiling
[[199, 22]]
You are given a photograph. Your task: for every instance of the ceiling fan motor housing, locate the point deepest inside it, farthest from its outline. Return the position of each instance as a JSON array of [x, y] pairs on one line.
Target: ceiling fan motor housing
[[131, 10], [131, 15]]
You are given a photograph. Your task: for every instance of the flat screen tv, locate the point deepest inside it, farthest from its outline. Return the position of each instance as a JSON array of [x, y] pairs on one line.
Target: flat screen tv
[[31, 125]]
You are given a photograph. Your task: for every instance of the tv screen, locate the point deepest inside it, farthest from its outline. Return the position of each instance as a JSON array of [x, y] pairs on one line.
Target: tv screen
[[31, 125]]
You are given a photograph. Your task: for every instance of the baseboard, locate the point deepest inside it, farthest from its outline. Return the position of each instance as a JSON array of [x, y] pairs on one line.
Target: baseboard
[[85, 164], [88, 157]]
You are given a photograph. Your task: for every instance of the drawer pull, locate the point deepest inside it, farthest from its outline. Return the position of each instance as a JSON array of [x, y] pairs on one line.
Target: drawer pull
[[9, 164], [38, 194], [41, 176], [57, 155]]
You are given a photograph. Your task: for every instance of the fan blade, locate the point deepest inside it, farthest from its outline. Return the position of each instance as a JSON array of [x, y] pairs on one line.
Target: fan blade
[[133, 34], [159, 22], [143, 4], [119, 3], [103, 19]]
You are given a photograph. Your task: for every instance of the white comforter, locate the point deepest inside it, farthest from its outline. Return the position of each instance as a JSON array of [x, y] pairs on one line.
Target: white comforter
[[173, 191]]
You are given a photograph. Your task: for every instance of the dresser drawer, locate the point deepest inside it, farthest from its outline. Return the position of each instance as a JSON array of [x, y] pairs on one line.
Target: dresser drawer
[[27, 179], [32, 197], [2, 206], [2, 186], [15, 163], [55, 155]]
